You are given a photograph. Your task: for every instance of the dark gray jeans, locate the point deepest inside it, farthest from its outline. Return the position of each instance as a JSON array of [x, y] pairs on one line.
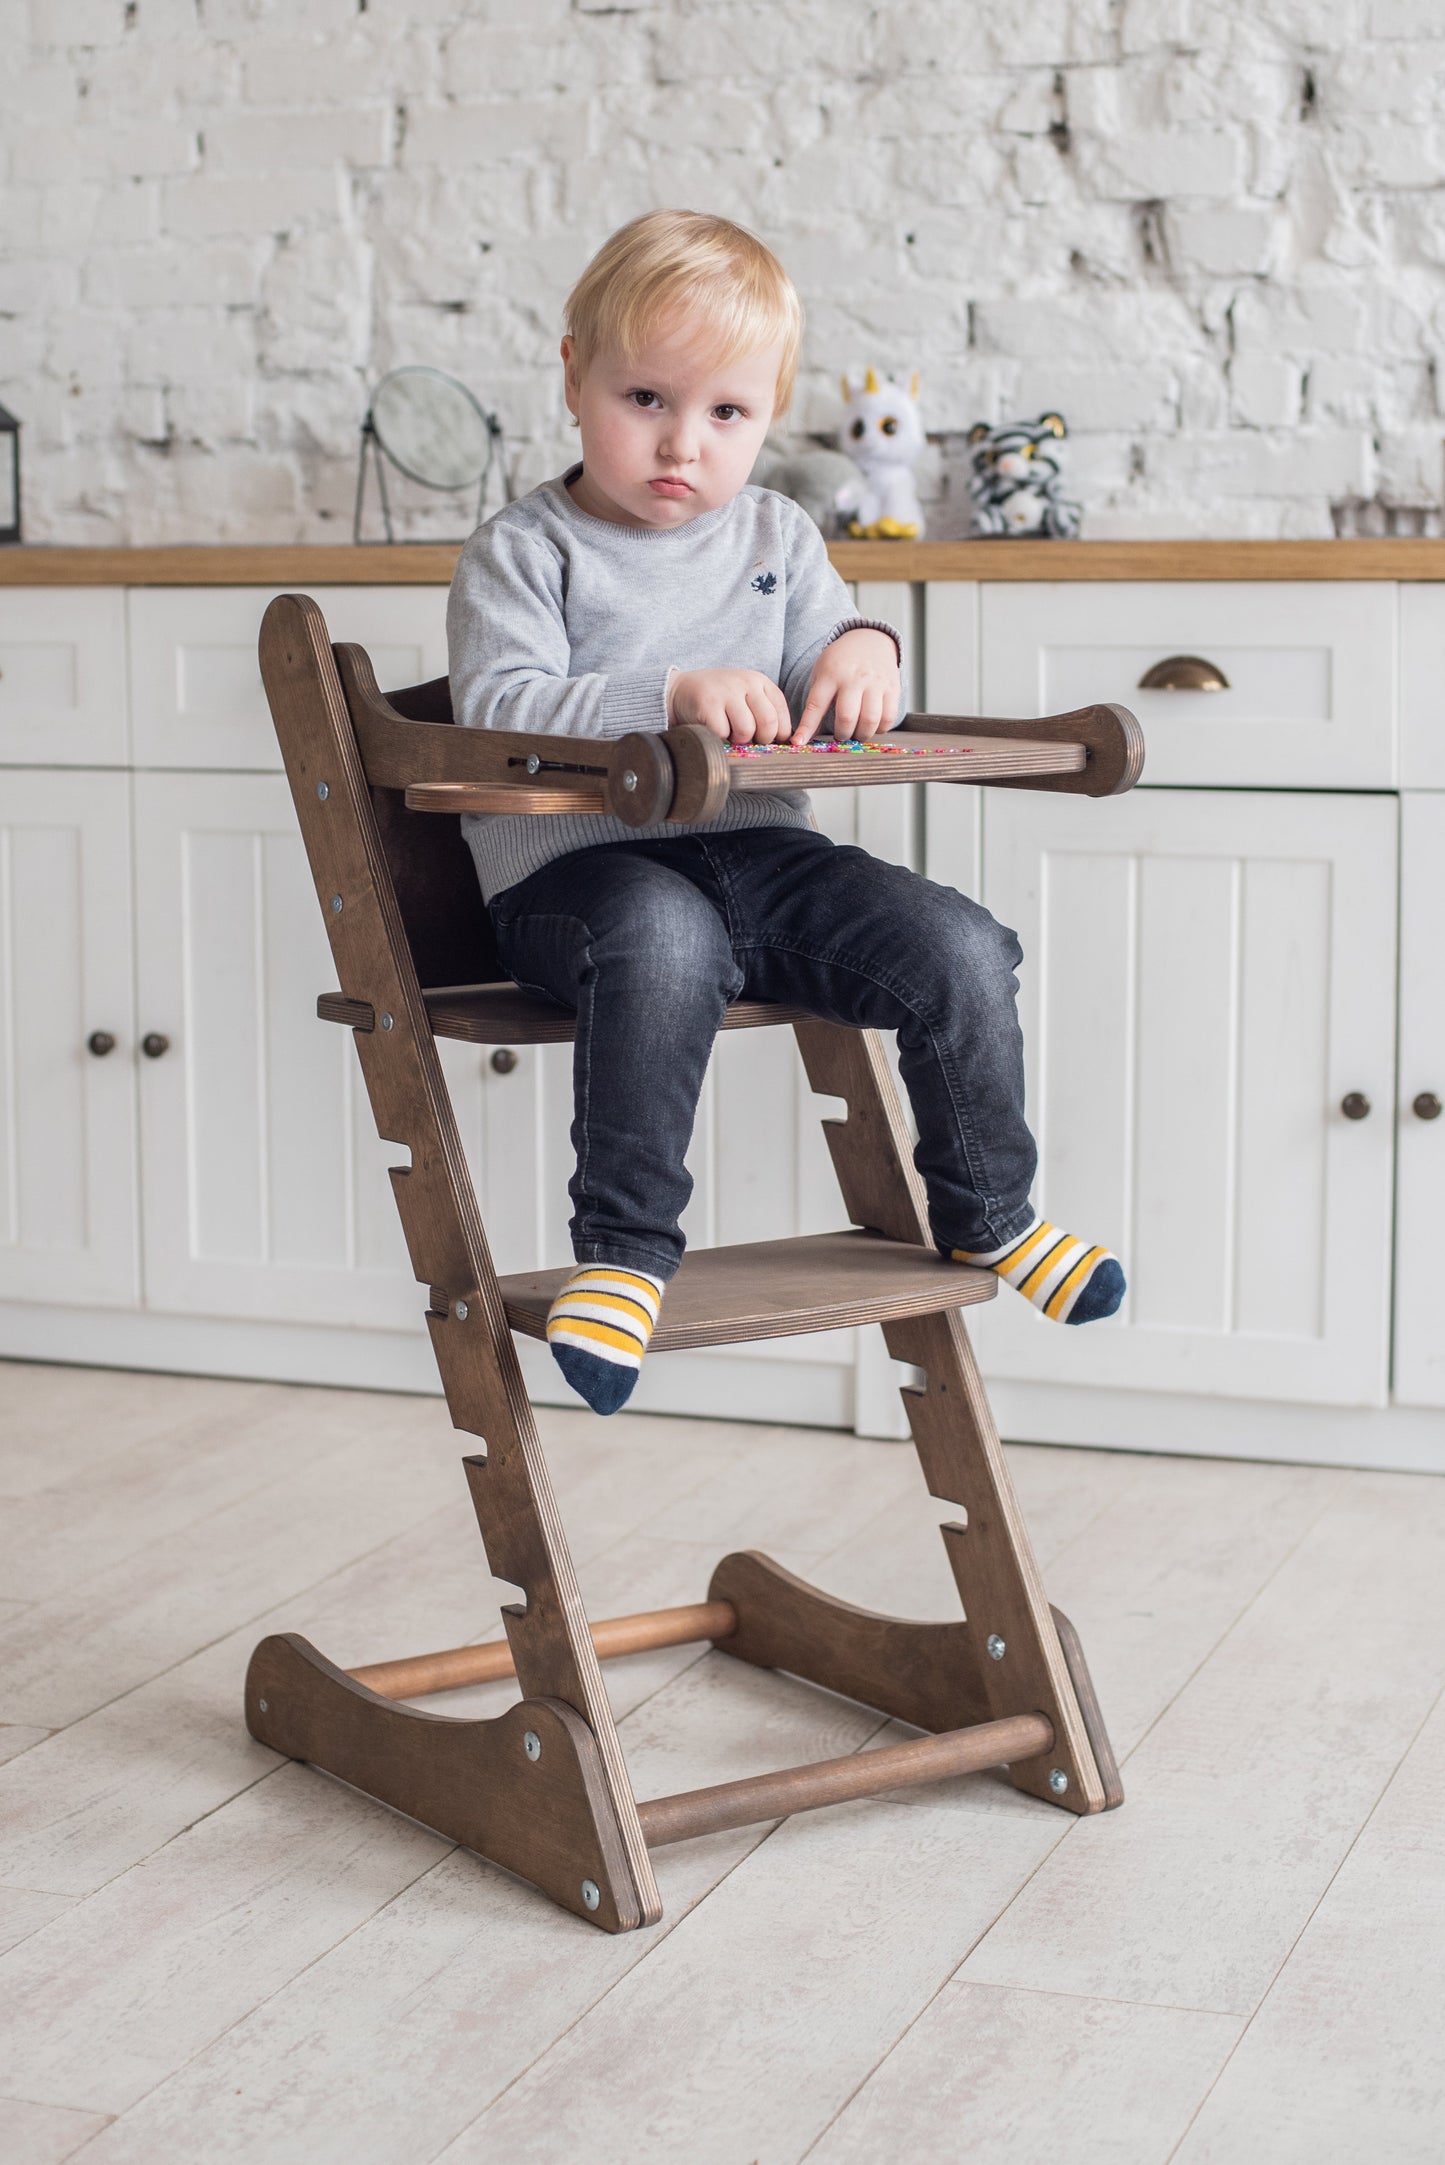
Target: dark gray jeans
[[649, 941]]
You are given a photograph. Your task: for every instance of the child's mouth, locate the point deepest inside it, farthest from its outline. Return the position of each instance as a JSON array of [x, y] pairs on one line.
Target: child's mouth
[[668, 485]]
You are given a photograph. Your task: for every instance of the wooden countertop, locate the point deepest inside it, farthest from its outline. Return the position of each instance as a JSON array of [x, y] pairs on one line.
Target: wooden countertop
[[430, 563]]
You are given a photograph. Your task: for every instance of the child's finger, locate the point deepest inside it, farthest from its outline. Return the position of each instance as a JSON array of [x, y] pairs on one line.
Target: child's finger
[[845, 711], [741, 725], [870, 712], [780, 709], [820, 698], [764, 713]]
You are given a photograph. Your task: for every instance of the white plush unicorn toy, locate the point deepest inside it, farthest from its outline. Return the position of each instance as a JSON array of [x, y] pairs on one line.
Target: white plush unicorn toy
[[883, 435]]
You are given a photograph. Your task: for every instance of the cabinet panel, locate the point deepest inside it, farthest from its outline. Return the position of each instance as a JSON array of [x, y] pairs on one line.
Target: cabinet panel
[[62, 676], [196, 694], [1419, 1258], [1310, 671], [67, 1116], [1422, 687], [264, 1182], [1205, 978]]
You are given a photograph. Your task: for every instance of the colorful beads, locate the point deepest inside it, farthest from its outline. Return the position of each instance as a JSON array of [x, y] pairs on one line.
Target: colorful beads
[[849, 744]]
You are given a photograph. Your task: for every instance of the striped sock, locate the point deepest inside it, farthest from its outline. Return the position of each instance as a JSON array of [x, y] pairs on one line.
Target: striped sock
[[1065, 1278], [598, 1328]]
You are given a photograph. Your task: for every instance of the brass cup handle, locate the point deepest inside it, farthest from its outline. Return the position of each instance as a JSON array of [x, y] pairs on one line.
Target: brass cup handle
[[153, 1045], [1426, 1106], [1355, 1105], [503, 1060], [100, 1042], [1184, 673]]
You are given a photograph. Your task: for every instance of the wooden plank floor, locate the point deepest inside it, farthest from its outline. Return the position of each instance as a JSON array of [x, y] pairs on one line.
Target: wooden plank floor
[[209, 1953]]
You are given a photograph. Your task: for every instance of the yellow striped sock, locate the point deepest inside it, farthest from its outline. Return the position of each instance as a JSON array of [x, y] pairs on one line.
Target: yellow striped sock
[[1066, 1279], [599, 1327]]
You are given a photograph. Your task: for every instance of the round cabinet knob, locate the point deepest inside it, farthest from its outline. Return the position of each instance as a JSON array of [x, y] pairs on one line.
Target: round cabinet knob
[[1356, 1106], [1426, 1106], [153, 1044], [503, 1060], [100, 1042]]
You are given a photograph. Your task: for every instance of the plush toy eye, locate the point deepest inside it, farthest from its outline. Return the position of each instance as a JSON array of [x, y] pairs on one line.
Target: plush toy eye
[[1026, 451], [888, 425], [859, 428]]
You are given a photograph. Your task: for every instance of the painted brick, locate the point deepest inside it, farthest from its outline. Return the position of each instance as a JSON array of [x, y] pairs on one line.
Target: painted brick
[[1222, 240], [1264, 391], [274, 143], [1164, 162], [215, 204], [449, 136]]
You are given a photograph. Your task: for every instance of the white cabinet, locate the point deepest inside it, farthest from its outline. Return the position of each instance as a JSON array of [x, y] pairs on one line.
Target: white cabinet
[[1310, 672], [62, 676], [1419, 1270], [67, 1111], [195, 688], [1208, 977]]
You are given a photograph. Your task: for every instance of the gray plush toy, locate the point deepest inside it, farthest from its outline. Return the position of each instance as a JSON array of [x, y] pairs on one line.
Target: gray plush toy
[[1015, 482], [826, 483]]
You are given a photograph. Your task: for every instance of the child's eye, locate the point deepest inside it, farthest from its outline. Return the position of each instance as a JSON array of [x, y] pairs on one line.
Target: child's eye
[[645, 399], [727, 412]]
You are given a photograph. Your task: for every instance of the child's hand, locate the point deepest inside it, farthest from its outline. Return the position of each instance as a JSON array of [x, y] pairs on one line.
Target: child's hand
[[741, 706], [857, 676]]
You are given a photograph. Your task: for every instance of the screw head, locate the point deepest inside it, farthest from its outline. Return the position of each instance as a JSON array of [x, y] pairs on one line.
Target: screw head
[[461, 1311], [533, 763], [336, 905], [323, 791], [1058, 1780], [629, 780], [264, 1705], [997, 1647], [386, 1022], [591, 1893], [532, 1744]]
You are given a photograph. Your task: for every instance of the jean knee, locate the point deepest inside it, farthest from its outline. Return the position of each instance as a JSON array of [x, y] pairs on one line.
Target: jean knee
[[672, 945]]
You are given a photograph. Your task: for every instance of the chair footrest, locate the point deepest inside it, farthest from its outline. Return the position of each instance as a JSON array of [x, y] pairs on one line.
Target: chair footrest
[[780, 1289]]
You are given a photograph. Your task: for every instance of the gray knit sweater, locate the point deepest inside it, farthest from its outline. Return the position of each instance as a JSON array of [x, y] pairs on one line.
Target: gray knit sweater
[[567, 625]]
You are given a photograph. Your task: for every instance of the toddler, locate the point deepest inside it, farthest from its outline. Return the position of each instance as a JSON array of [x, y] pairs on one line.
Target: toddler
[[649, 587]]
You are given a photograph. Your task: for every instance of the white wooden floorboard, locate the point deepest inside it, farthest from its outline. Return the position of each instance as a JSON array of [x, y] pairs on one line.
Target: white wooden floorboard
[[24, 1910], [63, 1423], [15, 1739], [42, 2134], [1346, 2057], [1246, 1794], [1018, 2078]]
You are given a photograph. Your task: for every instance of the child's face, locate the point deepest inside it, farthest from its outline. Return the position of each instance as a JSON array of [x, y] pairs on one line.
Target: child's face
[[670, 432]]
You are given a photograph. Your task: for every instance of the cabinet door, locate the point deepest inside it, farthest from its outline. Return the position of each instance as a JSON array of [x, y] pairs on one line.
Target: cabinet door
[[1207, 975], [67, 1114], [62, 676], [1419, 1268], [196, 694], [264, 1188]]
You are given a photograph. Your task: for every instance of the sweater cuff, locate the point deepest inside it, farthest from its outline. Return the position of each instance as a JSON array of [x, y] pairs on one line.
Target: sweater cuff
[[634, 703], [866, 623]]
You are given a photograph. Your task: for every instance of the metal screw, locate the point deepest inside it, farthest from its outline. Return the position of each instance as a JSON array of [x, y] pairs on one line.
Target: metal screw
[[386, 1022], [1058, 1780], [533, 763], [323, 791], [336, 905], [532, 1744], [591, 1893], [264, 1705], [629, 780], [461, 1311], [996, 1647]]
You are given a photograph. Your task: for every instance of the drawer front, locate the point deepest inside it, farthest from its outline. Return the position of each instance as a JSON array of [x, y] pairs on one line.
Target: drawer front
[[196, 694], [1309, 668], [1422, 687], [62, 677]]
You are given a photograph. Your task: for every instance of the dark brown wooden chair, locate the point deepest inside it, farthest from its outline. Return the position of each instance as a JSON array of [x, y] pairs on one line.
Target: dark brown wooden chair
[[379, 784]]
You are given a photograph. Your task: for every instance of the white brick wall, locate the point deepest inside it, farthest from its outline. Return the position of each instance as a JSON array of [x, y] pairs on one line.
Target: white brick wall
[[1212, 232]]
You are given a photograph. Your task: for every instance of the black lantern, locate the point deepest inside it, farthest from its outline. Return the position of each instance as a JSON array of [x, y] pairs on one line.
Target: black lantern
[[9, 477]]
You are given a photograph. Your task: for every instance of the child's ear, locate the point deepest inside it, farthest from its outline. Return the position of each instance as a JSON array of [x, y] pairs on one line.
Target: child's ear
[[569, 374]]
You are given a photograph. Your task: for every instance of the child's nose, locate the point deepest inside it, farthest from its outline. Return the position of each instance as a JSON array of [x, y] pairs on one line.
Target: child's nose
[[679, 439]]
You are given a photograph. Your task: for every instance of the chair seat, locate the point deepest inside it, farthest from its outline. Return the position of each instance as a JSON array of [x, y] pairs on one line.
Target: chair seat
[[506, 1015], [779, 1289]]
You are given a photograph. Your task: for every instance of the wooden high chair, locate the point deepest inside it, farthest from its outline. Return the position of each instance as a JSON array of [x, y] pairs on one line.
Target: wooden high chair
[[543, 1790]]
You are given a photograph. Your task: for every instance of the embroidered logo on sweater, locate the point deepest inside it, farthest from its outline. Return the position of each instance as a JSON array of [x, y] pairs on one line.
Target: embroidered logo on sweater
[[765, 582]]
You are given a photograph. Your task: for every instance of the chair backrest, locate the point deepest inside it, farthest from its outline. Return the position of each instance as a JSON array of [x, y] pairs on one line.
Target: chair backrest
[[447, 925]]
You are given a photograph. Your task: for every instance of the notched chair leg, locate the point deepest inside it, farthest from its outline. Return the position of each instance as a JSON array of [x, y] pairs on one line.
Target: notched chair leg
[[524, 1790]]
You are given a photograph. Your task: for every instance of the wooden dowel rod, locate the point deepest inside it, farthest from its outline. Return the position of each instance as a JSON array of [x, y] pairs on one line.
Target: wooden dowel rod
[[417, 1674], [834, 1781]]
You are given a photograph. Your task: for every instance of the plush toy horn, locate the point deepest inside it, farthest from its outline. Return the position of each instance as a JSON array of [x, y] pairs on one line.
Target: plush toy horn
[[870, 381], [847, 382]]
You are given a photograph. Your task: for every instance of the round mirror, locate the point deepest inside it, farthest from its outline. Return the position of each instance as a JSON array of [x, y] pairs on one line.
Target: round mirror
[[431, 427]]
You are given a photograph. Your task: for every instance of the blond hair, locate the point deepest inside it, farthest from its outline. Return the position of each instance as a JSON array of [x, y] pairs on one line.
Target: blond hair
[[671, 263]]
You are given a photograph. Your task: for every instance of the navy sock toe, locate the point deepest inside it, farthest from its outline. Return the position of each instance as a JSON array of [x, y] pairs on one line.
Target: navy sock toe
[[1101, 1296], [604, 1384]]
